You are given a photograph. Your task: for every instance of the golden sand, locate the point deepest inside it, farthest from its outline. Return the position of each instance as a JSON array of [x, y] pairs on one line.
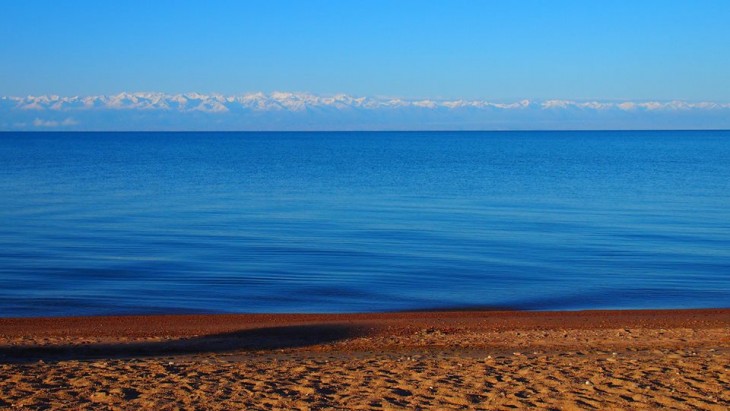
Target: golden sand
[[432, 360]]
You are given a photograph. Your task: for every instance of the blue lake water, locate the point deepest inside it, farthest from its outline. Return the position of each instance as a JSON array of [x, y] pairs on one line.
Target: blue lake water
[[120, 223]]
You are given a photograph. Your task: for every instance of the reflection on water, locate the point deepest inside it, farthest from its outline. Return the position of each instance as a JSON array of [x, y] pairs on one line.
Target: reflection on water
[[98, 223]]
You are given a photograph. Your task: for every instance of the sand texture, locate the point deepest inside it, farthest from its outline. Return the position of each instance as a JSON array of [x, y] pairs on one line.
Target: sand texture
[[430, 360]]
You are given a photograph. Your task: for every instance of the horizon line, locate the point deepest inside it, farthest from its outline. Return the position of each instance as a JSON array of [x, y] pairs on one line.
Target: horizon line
[[56, 131]]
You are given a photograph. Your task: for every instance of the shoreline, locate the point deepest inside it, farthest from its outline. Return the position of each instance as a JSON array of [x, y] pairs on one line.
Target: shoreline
[[406, 360], [182, 325]]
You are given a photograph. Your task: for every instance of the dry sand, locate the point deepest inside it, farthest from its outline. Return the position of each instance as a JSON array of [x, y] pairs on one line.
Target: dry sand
[[426, 360]]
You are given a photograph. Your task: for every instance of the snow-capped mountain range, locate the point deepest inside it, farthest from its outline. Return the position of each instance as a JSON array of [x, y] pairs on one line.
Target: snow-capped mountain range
[[218, 103], [306, 111]]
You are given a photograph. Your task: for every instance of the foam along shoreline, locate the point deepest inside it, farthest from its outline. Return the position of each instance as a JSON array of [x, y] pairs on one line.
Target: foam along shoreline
[[469, 359]]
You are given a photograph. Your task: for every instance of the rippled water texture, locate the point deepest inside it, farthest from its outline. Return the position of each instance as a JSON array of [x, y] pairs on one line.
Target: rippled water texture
[[101, 223]]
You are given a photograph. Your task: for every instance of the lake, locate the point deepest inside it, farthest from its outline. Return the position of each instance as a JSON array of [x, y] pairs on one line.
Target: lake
[[135, 223]]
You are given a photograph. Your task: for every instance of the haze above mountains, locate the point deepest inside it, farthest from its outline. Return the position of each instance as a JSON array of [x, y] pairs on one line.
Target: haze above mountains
[[305, 111]]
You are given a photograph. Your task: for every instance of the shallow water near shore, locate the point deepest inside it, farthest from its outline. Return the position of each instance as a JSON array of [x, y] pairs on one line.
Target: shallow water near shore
[[121, 223]]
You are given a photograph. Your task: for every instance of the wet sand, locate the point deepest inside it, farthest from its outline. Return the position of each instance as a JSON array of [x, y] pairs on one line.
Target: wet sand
[[677, 359]]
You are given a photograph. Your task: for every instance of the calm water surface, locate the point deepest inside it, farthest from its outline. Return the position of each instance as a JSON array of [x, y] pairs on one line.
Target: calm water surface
[[116, 223]]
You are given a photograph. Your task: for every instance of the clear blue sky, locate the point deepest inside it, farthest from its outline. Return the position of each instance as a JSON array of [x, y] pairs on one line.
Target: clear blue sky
[[637, 49]]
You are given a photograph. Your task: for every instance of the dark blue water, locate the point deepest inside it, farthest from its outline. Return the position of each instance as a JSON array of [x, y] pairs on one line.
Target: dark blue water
[[102, 223]]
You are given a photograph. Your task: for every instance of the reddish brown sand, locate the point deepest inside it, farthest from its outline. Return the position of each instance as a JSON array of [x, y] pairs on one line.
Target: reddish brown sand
[[425, 360]]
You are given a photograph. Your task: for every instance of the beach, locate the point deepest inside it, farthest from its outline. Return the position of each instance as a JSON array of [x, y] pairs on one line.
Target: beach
[[648, 359], [412, 205]]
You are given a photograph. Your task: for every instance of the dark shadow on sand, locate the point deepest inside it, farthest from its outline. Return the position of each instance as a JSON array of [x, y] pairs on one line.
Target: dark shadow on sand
[[271, 338]]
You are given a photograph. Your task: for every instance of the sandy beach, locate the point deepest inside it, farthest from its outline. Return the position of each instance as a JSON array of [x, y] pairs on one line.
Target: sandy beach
[[417, 360]]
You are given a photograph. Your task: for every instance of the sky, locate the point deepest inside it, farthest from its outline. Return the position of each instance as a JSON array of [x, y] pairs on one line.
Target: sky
[[617, 50]]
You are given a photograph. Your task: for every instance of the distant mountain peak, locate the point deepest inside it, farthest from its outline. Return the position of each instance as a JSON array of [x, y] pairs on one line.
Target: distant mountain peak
[[298, 101], [300, 110]]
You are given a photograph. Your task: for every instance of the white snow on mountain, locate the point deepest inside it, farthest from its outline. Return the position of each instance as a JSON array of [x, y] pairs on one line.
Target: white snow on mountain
[[299, 102], [307, 111]]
